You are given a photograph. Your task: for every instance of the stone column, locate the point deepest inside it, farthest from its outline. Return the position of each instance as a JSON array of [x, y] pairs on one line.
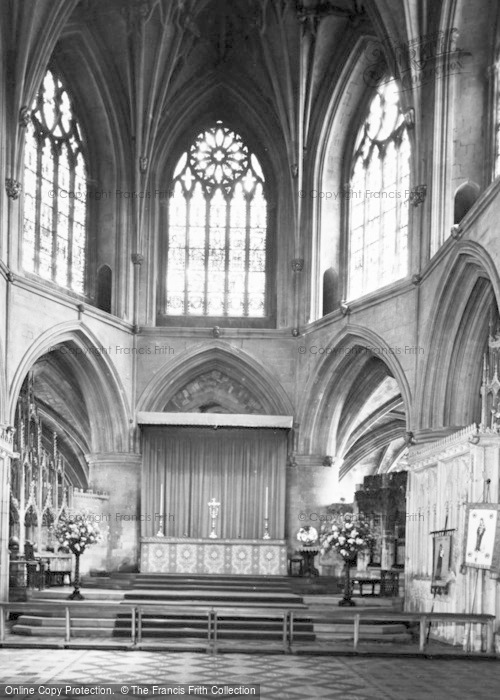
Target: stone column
[[119, 476], [6, 454]]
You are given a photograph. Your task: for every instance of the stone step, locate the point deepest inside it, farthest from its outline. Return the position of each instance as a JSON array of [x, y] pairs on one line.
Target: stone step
[[365, 630], [55, 630], [51, 621], [94, 595]]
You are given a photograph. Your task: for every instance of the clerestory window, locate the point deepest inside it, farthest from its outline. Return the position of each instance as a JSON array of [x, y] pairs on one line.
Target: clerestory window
[[217, 258], [55, 189], [379, 195]]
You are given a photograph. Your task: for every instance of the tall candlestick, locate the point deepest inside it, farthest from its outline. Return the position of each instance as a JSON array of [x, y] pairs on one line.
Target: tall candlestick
[[161, 532], [266, 509]]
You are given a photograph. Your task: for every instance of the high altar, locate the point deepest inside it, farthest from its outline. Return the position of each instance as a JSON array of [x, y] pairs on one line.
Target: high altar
[[192, 459], [179, 555]]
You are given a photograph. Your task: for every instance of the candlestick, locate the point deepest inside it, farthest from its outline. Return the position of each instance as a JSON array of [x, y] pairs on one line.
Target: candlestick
[[161, 532], [266, 509]]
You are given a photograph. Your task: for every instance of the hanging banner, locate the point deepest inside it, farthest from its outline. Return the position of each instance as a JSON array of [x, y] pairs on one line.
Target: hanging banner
[[482, 538]]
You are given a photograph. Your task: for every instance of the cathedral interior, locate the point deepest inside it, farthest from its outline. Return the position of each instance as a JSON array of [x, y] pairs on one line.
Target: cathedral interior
[[231, 218]]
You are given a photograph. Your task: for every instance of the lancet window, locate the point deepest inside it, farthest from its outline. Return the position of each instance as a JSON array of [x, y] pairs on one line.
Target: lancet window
[[55, 190], [378, 195]]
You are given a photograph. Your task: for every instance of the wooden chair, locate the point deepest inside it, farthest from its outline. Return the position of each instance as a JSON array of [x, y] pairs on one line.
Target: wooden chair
[[295, 561]]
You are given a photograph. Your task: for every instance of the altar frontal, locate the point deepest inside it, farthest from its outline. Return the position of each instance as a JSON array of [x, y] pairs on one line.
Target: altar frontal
[[213, 500]]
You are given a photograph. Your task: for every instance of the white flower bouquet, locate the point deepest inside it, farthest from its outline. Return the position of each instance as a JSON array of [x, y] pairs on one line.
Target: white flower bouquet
[[308, 535], [347, 537], [76, 531]]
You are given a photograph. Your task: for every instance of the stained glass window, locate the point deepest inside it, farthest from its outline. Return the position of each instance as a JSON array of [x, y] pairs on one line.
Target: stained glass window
[[217, 235], [379, 195], [55, 190]]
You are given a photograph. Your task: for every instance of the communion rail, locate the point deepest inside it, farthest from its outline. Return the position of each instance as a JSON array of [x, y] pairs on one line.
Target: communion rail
[[214, 614]]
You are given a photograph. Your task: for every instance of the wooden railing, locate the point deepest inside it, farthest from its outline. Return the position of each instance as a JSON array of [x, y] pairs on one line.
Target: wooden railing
[[214, 614]]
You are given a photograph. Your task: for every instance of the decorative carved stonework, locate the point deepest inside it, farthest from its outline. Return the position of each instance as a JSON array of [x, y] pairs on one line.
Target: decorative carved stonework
[[456, 232], [344, 308], [13, 188], [409, 438], [295, 332], [409, 117], [327, 461], [417, 194], [137, 258], [216, 332], [143, 164], [311, 12], [24, 116], [298, 264], [214, 391], [416, 279], [295, 170]]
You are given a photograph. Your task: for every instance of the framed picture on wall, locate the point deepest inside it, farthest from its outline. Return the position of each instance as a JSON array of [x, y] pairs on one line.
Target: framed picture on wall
[[441, 558], [482, 536]]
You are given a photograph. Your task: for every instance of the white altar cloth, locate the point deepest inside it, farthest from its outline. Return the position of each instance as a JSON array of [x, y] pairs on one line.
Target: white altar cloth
[[184, 555]]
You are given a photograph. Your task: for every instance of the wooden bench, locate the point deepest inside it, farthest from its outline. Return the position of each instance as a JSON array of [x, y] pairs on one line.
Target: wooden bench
[[366, 581]]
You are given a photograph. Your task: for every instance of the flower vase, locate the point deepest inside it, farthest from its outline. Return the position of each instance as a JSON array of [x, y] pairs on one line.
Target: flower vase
[[347, 599], [76, 595]]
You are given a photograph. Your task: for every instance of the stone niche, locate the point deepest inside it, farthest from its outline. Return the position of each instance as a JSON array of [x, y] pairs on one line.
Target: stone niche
[[443, 478]]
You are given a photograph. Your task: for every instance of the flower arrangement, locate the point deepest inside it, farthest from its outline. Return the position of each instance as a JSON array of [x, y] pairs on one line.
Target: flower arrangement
[[308, 535], [76, 531], [347, 536]]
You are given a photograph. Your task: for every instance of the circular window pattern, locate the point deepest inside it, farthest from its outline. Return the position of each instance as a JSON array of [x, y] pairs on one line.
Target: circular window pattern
[[219, 155]]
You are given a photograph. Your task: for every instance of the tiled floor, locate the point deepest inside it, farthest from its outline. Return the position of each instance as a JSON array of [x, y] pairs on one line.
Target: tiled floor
[[294, 677]]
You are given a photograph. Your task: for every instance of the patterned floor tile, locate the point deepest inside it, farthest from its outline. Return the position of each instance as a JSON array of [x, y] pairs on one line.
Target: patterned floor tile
[[281, 677]]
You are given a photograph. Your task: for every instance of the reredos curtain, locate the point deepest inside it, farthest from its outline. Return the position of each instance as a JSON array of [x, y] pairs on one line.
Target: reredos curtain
[[232, 465]]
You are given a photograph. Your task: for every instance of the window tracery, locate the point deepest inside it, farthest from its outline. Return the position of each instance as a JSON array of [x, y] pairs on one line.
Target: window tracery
[[379, 196], [217, 235], [55, 190]]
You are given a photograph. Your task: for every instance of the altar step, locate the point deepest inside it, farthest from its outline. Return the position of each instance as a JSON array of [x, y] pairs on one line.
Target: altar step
[[245, 602], [111, 624], [228, 627], [187, 581], [214, 598], [201, 590]]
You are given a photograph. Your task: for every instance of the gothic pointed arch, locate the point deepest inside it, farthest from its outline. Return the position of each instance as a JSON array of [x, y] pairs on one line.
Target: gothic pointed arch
[[358, 393], [80, 369], [259, 391], [457, 338]]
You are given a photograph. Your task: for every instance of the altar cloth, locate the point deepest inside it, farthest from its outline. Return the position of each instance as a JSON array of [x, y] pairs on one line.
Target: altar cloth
[[241, 557]]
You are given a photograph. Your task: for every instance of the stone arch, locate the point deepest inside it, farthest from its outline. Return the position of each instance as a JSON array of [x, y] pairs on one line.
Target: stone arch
[[330, 397], [96, 377], [245, 371], [456, 339]]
